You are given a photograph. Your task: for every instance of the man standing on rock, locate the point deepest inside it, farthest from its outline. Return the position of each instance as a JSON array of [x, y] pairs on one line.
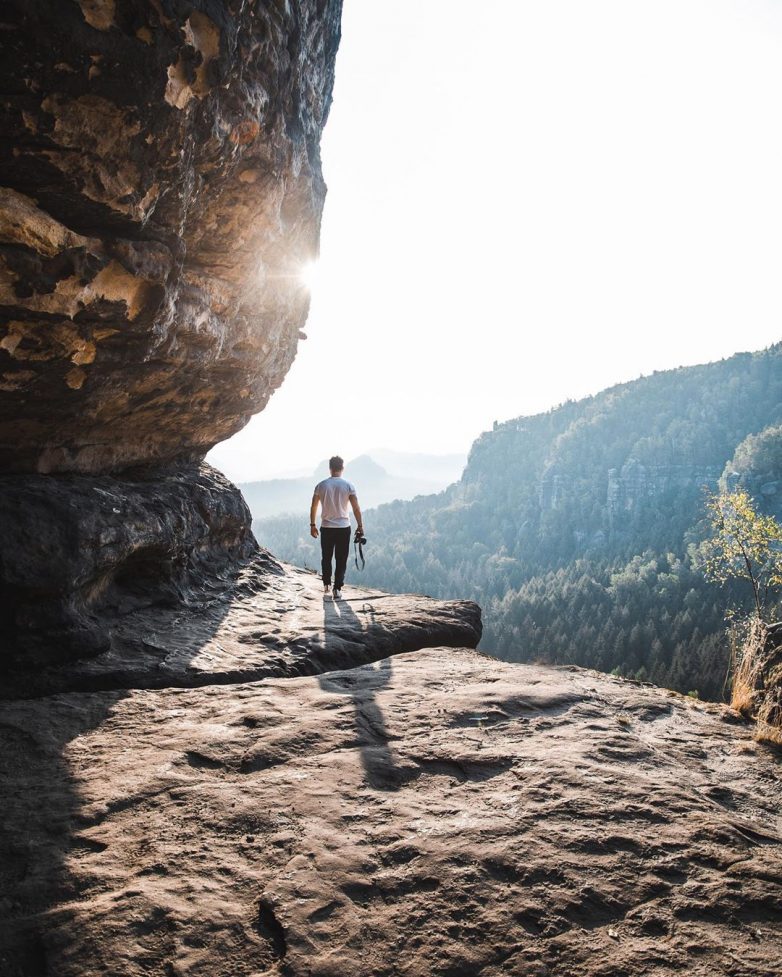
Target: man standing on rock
[[336, 496]]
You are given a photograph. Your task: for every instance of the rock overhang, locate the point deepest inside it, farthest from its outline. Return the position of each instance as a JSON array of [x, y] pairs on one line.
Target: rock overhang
[[161, 186]]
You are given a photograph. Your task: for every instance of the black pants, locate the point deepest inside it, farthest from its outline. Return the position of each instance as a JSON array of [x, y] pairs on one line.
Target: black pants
[[334, 542]]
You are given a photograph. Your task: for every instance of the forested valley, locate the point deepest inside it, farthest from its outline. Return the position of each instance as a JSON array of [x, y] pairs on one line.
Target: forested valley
[[578, 530]]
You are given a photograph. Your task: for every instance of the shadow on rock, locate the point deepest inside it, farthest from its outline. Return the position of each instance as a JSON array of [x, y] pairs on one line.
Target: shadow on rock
[[41, 799], [362, 684]]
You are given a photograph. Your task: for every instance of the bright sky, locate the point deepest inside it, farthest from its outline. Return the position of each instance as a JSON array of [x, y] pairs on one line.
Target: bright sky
[[530, 200]]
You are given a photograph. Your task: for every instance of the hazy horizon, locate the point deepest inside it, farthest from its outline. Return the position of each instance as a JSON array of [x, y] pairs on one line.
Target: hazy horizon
[[377, 455], [528, 204]]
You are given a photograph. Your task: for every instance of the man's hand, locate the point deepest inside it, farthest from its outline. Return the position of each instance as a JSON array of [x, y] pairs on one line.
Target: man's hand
[[314, 531]]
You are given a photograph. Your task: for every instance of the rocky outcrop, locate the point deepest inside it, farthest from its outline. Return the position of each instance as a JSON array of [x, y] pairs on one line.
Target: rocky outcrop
[[103, 545], [628, 491], [275, 624], [635, 485], [268, 620], [160, 192], [429, 815], [206, 768], [631, 486]]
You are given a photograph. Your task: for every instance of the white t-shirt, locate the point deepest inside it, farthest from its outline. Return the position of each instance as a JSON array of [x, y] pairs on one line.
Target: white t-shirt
[[334, 494]]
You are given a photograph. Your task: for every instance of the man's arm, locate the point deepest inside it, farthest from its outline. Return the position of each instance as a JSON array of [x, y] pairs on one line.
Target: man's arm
[[356, 511], [313, 513]]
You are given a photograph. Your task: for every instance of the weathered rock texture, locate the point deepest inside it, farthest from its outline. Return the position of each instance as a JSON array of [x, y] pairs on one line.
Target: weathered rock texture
[[270, 621], [191, 800], [437, 814], [160, 189], [87, 549]]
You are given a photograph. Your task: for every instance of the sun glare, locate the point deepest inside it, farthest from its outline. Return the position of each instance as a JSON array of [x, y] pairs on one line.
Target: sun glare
[[309, 275]]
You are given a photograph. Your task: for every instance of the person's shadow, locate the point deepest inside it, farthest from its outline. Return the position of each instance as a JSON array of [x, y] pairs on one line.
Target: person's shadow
[[362, 684]]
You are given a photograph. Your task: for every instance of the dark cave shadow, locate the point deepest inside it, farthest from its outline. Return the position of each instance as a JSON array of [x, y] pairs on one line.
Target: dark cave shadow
[[362, 684], [41, 823]]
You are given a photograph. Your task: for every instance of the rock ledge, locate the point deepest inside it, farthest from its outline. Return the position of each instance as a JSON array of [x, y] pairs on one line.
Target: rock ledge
[[434, 814]]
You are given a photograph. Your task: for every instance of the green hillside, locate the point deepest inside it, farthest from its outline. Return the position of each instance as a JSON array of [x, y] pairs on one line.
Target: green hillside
[[574, 528]]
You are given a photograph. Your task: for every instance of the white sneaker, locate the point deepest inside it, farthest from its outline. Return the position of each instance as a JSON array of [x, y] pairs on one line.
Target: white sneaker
[[337, 594], [327, 590]]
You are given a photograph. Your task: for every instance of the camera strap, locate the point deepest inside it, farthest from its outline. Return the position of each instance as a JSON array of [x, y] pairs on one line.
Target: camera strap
[[358, 553]]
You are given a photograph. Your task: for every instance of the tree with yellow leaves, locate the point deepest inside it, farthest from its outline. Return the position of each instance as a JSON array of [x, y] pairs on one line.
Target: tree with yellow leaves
[[746, 545]]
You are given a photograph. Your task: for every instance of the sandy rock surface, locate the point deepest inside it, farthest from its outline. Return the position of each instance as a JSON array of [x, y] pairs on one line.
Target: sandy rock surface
[[272, 620], [433, 813]]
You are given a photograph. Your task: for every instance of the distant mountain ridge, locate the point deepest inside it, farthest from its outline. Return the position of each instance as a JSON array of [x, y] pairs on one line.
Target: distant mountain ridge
[[424, 475], [574, 528]]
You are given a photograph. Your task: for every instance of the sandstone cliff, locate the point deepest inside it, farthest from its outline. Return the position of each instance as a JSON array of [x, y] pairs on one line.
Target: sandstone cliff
[[207, 769], [160, 190]]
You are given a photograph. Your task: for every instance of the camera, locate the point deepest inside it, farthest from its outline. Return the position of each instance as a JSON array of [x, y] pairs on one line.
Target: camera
[[360, 538]]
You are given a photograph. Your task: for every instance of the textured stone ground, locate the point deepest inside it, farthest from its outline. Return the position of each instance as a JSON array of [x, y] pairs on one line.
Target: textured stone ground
[[433, 813]]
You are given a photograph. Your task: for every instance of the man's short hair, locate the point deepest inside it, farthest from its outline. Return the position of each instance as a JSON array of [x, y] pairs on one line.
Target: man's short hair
[[336, 464]]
